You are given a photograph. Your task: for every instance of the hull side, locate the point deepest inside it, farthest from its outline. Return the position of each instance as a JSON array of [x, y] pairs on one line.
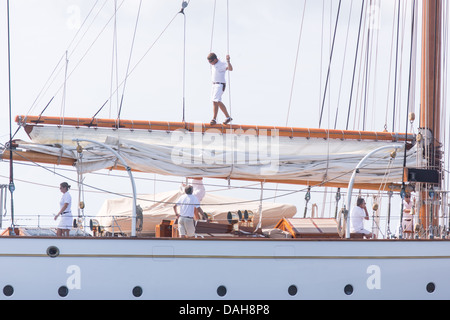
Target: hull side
[[202, 269]]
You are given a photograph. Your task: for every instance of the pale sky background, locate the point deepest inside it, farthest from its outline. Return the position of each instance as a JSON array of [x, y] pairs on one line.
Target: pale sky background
[[263, 37]]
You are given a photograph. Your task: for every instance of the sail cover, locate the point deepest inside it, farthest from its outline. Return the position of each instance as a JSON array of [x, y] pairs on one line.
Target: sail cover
[[236, 153]]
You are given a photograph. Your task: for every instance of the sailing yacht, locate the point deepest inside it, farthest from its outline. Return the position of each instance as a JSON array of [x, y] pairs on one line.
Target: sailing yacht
[[319, 258]]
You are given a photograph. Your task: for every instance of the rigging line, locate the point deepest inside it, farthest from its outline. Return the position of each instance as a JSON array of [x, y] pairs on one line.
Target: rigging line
[[238, 202], [114, 58], [376, 37], [228, 52], [63, 104], [93, 117], [329, 64], [366, 75], [355, 63], [373, 59], [228, 27], [116, 8], [37, 121], [296, 61], [212, 27], [145, 53], [400, 68], [359, 100], [413, 23], [43, 90], [88, 49], [40, 115], [11, 166], [321, 51], [343, 64], [129, 61], [433, 154], [81, 26], [396, 68], [390, 69], [165, 202], [408, 105], [369, 53], [246, 187], [184, 5]]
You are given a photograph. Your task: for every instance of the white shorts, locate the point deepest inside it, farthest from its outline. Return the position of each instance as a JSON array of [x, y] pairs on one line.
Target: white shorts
[[186, 227], [65, 222], [217, 92], [408, 224]]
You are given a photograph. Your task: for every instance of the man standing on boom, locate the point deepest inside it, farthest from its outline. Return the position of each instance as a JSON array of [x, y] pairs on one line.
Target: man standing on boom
[[219, 83]]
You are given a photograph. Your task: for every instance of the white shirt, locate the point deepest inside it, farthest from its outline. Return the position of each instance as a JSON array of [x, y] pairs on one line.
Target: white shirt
[[218, 71], [66, 198], [187, 203], [407, 206], [357, 219]]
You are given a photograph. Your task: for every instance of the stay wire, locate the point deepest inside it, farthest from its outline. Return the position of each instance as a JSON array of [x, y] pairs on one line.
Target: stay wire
[[296, 62], [228, 52], [407, 118], [142, 58], [329, 63], [396, 67], [213, 25], [11, 166], [287, 193], [343, 64], [355, 63], [57, 67], [184, 6], [129, 62]]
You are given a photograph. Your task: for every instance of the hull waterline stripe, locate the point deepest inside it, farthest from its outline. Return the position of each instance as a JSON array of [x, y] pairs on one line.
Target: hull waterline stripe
[[16, 255]]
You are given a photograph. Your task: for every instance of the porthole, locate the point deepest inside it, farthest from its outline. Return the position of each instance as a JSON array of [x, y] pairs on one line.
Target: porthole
[[221, 291], [137, 291], [292, 290], [8, 290], [52, 251], [348, 289], [63, 291], [431, 287]]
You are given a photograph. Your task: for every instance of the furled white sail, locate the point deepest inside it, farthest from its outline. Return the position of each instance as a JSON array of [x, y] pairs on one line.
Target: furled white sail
[[238, 154]]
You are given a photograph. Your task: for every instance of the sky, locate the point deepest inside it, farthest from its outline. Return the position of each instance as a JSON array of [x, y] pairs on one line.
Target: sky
[[273, 83]]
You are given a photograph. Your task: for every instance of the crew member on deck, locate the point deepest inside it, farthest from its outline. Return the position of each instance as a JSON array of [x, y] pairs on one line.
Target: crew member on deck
[[218, 71], [357, 217], [198, 191], [408, 215], [65, 224], [187, 203]]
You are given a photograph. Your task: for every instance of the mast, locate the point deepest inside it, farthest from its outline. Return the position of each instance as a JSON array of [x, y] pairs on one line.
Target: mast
[[430, 106]]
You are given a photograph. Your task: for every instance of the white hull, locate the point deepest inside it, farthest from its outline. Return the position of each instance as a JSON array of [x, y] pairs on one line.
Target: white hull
[[255, 269]]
